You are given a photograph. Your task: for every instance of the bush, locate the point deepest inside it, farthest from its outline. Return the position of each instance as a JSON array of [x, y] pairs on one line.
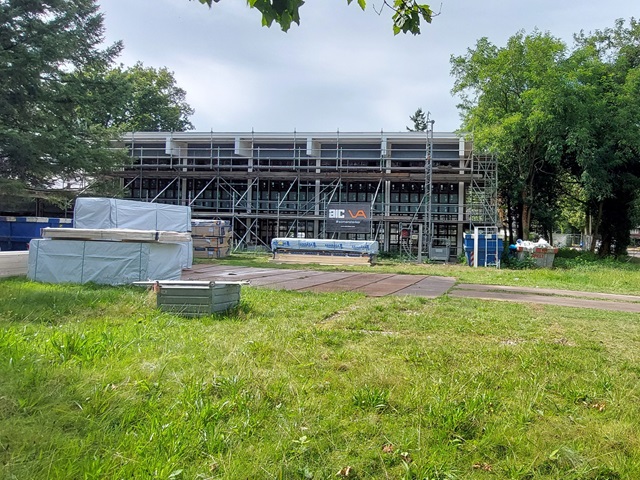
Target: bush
[[514, 263]]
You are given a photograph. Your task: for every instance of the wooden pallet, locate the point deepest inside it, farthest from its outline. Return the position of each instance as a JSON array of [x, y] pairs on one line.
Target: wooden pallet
[[323, 259], [116, 235], [13, 264]]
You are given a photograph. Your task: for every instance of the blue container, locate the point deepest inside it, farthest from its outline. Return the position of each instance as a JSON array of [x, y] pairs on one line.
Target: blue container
[[489, 249], [17, 232]]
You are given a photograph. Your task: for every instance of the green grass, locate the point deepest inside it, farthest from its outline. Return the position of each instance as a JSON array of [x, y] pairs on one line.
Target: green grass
[[97, 383]]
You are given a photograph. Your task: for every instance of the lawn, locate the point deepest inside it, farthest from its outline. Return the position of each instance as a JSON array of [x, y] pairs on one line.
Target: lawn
[[97, 383]]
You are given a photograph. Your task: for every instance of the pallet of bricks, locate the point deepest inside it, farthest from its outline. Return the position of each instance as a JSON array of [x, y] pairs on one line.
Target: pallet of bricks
[[211, 238]]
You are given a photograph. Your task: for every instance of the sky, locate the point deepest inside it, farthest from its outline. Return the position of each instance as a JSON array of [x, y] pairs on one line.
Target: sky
[[342, 69]]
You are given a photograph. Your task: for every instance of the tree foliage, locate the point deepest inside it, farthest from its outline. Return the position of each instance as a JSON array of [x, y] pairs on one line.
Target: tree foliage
[[407, 14], [565, 124], [419, 119], [603, 128], [61, 102], [508, 103], [137, 98], [42, 137]]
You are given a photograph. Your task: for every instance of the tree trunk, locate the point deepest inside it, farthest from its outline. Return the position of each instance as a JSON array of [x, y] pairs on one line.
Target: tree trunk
[[595, 235], [526, 220], [510, 220]]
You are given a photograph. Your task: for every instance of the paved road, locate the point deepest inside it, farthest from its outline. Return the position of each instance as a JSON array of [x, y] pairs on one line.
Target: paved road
[[382, 284]]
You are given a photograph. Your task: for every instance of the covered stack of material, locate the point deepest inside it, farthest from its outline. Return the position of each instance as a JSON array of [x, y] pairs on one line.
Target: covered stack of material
[[211, 238], [115, 242], [98, 212]]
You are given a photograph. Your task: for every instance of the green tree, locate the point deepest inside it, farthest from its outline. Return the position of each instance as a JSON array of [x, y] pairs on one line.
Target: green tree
[[137, 98], [407, 14], [602, 105], [509, 102], [42, 136], [419, 119]]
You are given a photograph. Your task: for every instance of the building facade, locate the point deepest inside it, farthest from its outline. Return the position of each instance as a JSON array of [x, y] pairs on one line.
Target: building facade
[[421, 189]]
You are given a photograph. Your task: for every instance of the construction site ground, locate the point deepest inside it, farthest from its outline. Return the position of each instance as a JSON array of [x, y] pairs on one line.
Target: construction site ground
[[382, 284]]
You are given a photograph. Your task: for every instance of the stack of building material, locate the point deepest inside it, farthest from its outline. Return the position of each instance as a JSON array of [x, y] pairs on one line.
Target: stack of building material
[[211, 238], [13, 264], [324, 252], [91, 212], [116, 235], [115, 242], [97, 212], [111, 263]]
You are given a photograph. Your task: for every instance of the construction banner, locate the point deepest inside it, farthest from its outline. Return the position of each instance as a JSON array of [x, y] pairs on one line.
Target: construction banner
[[348, 218]]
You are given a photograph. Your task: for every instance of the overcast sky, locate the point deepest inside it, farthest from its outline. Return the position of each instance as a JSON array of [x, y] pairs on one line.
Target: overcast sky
[[341, 69]]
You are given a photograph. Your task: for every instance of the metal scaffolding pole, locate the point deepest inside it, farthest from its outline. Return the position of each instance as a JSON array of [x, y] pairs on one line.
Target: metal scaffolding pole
[[427, 229]]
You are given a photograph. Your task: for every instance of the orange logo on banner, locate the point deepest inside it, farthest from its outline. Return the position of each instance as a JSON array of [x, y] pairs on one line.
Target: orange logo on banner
[[359, 213]]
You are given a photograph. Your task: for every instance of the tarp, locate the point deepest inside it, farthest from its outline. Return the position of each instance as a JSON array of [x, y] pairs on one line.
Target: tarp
[[97, 212], [112, 263], [321, 245], [104, 213]]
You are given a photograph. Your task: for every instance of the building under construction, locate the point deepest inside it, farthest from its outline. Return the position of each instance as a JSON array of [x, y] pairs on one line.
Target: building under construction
[[415, 192]]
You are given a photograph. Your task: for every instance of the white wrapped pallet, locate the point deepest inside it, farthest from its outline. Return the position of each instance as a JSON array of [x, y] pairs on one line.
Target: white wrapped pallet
[[13, 263], [315, 245], [112, 263], [97, 212]]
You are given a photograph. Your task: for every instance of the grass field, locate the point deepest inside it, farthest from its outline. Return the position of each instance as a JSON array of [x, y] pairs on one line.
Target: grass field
[[97, 383]]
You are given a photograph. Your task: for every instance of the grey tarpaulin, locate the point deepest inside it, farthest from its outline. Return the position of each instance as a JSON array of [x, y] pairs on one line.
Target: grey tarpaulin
[[99, 212], [96, 212], [112, 263]]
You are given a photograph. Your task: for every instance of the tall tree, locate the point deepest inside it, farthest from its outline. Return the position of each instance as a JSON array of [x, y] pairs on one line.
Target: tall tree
[[42, 136], [602, 101], [407, 14], [508, 103], [419, 119], [137, 98]]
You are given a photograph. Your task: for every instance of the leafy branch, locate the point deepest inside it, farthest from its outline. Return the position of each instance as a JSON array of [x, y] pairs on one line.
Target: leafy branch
[[407, 14]]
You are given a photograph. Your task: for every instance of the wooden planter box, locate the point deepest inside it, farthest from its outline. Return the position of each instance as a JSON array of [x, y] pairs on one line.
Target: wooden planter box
[[197, 298]]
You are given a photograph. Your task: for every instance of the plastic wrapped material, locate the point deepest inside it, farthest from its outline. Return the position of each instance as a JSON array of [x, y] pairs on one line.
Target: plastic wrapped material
[[96, 212], [112, 263], [315, 245]]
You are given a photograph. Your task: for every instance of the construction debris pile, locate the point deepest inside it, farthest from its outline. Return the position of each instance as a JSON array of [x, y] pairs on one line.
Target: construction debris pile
[[542, 253]]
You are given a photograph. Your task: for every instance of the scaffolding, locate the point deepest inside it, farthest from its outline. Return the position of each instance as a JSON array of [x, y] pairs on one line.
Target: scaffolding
[[482, 202], [277, 184]]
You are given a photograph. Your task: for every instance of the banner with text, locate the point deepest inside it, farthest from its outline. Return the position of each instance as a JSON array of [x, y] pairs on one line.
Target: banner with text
[[349, 218]]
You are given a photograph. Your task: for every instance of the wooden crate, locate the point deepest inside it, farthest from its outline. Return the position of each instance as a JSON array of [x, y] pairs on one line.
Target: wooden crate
[[194, 298], [211, 242], [13, 263], [213, 252], [210, 230]]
